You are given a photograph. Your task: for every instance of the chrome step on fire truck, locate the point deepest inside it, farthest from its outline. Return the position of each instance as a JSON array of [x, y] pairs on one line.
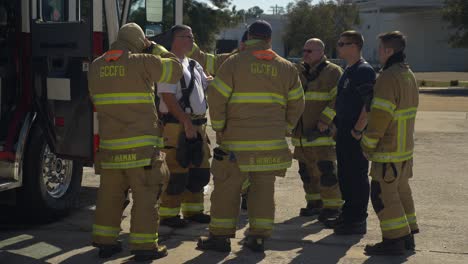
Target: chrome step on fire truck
[[48, 130]]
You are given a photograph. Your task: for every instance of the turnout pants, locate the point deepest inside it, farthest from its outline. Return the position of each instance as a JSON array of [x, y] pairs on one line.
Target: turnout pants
[[391, 198], [146, 184], [185, 188], [317, 168], [352, 175], [225, 199]]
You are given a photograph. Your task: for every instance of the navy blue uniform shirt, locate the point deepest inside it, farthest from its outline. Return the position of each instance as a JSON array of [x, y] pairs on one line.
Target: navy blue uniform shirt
[[355, 89]]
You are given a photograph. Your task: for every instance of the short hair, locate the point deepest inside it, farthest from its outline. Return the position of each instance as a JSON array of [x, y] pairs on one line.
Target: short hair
[[355, 37], [316, 41], [178, 28], [394, 40]]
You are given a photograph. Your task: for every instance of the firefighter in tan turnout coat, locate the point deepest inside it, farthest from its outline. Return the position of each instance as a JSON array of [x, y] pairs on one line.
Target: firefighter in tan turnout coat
[[255, 98], [313, 135], [389, 143], [121, 86]]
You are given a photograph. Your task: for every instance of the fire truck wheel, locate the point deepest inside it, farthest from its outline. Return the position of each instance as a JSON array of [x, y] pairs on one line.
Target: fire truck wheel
[[51, 185]]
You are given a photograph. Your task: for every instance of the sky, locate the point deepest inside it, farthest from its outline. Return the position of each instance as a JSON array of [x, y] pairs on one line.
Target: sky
[[263, 4]]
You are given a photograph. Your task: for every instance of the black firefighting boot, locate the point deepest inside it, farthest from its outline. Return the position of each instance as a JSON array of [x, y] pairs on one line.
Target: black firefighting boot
[[107, 251], [201, 218], [313, 208], [327, 214], [388, 247], [215, 243], [174, 222], [256, 244], [351, 228], [332, 223], [147, 255]]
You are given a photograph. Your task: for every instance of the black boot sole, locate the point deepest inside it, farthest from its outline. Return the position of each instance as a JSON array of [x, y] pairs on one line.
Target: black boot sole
[[209, 246], [148, 257]]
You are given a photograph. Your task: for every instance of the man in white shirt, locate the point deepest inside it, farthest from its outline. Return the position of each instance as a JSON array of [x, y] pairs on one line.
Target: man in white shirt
[[183, 112]]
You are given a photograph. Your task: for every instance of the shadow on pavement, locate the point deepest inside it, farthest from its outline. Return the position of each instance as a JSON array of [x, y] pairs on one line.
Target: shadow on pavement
[[445, 92]]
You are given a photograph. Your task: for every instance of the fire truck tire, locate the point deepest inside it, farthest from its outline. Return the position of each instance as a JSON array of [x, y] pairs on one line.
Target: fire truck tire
[[51, 186]]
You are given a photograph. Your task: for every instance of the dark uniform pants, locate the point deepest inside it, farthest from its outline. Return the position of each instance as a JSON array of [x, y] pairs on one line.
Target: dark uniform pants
[[225, 199], [185, 188], [146, 185], [391, 198], [352, 175]]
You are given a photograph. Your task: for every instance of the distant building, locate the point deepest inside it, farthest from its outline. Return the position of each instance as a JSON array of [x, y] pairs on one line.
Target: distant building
[[278, 23], [421, 21]]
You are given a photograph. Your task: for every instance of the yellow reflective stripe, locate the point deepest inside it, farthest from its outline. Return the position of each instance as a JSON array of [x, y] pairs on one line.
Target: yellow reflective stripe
[[123, 98], [106, 231], [390, 156], [218, 124], [132, 142], [126, 165], [332, 203], [369, 142], [166, 71], [266, 167], [245, 184], [321, 141], [167, 212], [393, 224], [221, 87], [158, 50], [318, 96], [254, 145], [411, 218], [296, 93], [192, 207], [312, 197], [409, 113], [384, 105], [223, 223], [261, 98], [261, 223], [330, 113], [210, 62], [141, 238]]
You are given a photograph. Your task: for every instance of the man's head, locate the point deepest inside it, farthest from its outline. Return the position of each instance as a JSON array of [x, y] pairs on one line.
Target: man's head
[[261, 30], [313, 52], [182, 39], [243, 40], [350, 44], [390, 43], [132, 36]]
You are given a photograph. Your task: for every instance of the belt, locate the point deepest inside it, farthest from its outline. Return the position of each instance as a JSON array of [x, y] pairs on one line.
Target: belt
[[170, 119]]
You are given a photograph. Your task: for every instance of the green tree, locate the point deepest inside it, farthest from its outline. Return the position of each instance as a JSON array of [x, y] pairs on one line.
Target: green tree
[[325, 20], [206, 22], [255, 11], [456, 13]]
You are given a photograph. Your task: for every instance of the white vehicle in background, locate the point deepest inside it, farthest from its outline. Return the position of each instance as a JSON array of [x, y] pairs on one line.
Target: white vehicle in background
[[48, 129]]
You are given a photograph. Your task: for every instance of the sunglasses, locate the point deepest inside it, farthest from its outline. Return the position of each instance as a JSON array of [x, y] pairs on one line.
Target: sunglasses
[[309, 50], [342, 44]]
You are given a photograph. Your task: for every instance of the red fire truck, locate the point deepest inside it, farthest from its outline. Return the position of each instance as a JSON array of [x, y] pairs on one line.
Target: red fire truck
[[48, 130]]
